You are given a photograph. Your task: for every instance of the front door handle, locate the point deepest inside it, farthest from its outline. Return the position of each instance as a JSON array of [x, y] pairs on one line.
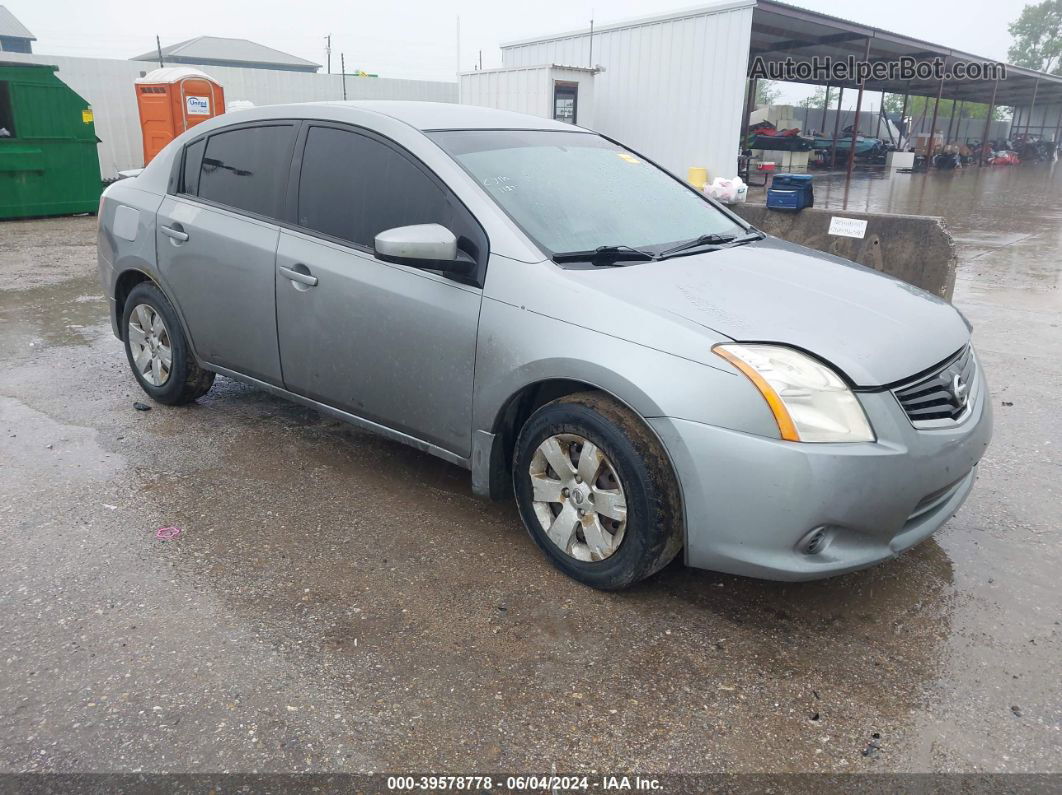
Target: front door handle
[[177, 234], [297, 276]]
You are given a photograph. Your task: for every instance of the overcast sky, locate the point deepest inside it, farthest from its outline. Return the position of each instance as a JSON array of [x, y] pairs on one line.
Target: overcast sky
[[418, 38]]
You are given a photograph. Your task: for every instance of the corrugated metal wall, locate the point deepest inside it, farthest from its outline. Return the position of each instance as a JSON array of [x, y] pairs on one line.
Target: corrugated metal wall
[[1044, 120], [528, 90], [524, 90], [672, 88], [107, 85]]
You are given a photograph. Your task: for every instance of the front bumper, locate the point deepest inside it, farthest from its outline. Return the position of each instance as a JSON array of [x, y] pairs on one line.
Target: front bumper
[[751, 502]]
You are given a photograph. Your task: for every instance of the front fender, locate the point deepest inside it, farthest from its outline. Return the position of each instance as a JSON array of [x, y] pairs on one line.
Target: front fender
[[518, 347]]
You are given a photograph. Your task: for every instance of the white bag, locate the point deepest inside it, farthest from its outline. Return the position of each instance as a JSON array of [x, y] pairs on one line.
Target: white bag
[[729, 191]]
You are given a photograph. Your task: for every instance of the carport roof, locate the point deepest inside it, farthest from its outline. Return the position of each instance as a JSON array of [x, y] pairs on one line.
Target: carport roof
[[780, 30]]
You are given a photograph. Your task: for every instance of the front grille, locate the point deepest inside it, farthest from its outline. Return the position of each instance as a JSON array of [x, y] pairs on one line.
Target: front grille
[[944, 395]]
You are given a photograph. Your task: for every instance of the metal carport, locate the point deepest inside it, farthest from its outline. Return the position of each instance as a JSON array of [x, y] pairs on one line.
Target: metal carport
[[781, 31]]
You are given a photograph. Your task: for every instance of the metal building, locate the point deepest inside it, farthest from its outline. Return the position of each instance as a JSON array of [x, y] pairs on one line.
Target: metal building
[[14, 36], [219, 51], [670, 86], [563, 93], [679, 87]]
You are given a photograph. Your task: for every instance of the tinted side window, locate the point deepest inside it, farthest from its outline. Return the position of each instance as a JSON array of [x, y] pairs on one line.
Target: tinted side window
[[245, 169], [193, 161], [352, 187]]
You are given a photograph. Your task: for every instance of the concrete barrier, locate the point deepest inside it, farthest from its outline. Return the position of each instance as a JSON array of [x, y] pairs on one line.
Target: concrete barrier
[[915, 248]]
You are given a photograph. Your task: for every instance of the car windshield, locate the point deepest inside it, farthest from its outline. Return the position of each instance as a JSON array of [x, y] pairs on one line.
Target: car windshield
[[575, 191]]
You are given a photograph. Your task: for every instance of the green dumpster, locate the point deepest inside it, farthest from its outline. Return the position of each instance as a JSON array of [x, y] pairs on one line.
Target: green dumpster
[[48, 159]]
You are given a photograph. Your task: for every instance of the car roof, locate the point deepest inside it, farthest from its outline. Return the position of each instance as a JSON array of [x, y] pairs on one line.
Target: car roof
[[445, 115]]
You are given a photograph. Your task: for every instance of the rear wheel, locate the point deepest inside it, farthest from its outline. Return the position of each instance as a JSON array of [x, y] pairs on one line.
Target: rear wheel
[[596, 491], [157, 351]]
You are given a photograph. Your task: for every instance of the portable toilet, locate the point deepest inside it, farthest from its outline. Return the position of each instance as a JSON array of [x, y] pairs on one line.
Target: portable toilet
[[171, 100], [48, 159]]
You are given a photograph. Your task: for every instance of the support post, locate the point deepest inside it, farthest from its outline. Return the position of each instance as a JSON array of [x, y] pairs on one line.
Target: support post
[[905, 132], [855, 132], [951, 121], [825, 107], [1032, 107], [1058, 126], [750, 102], [343, 69], [836, 130], [933, 127], [988, 122]]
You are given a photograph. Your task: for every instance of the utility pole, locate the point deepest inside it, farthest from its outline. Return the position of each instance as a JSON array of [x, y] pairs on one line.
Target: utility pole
[[328, 52], [481, 60], [158, 46], [343, 69], [591, 58]]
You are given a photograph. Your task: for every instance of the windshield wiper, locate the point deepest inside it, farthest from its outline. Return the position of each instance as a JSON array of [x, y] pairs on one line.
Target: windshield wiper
[[605, 255], [710, 240]]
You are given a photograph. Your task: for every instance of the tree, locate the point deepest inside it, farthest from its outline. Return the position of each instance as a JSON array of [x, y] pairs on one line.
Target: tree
[[818, 99], [1038, 37], [767, 91], [917, 106]]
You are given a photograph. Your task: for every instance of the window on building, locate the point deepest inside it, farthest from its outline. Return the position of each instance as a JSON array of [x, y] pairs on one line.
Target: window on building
[[565, 102]]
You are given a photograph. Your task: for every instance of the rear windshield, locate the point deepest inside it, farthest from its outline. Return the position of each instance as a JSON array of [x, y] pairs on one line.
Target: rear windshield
[[576, 191]]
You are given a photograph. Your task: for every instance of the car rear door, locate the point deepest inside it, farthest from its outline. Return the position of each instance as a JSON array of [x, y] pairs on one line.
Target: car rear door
[[392, 344], [217, 240]]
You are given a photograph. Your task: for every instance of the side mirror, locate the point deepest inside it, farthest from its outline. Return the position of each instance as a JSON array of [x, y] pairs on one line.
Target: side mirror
[[428, 246]]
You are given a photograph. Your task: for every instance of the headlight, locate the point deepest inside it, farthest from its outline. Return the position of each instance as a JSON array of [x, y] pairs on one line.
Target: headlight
[[809, 401]]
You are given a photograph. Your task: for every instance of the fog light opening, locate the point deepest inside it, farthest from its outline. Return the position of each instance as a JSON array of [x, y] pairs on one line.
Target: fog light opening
[[815, 541]]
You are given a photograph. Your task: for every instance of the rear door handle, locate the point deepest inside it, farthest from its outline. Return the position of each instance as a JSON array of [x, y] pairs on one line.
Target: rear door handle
[[177, 234], [296, 276]]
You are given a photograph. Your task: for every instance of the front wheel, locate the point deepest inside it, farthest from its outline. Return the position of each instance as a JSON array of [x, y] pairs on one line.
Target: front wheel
[[596, 491], [157, 351]]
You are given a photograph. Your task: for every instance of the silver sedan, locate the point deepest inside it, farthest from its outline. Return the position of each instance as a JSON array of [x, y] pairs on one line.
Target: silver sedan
[[643, 370]]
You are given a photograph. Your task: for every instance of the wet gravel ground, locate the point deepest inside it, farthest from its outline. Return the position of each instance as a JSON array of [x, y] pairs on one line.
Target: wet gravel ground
[[339, 602]]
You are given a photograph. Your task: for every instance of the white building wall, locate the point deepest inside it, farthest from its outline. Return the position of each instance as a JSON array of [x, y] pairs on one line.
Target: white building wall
[[523, 90], [107, 85], [673, 86], [528, 90]]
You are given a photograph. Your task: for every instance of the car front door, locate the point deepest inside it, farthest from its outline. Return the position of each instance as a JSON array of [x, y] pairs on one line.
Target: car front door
[[389, 343], [217, 239]]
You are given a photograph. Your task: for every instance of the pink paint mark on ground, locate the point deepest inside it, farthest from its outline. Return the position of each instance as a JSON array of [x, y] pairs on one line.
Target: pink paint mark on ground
[[167, 533]]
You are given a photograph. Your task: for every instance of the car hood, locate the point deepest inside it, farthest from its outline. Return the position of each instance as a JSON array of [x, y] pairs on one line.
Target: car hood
[[874, 328]]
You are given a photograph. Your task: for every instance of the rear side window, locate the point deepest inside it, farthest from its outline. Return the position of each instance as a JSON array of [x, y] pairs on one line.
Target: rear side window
[[193, 162], [352, 187], [245, 169]]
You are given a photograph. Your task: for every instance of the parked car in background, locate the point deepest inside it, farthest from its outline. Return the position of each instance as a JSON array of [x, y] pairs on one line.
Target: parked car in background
[[645, 371]]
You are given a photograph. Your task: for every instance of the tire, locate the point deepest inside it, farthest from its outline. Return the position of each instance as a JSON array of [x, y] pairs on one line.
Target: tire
[[634, 472], [183, 380]]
